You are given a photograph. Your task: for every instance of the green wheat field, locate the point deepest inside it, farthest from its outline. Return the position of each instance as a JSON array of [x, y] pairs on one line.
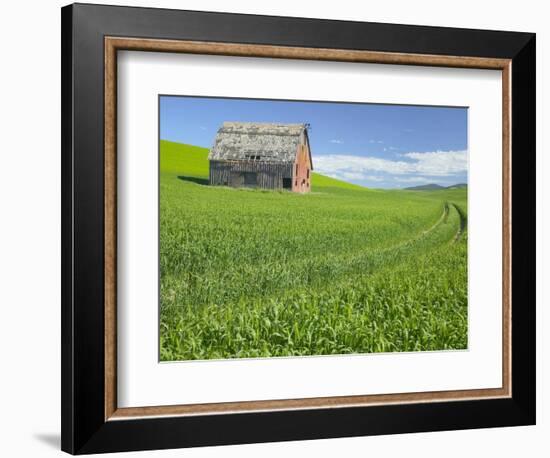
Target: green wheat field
[[344, 269]]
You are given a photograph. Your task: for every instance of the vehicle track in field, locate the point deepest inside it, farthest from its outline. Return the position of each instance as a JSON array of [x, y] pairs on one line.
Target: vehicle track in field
[[420, 235], [463, 222], [401, 250], [361, 263], [441, 220]]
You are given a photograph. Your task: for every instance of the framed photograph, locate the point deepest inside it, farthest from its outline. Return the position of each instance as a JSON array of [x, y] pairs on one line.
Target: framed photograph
[[284, 228]]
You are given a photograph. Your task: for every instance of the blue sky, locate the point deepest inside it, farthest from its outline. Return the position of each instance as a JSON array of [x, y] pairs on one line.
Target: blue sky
[[380, 146]]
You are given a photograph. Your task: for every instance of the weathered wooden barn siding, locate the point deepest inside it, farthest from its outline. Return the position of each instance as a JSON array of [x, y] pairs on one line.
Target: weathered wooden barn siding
[[231, 173], [261, 155]]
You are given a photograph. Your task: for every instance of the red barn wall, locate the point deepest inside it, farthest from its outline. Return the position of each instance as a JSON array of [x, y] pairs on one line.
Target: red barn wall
[[301, 175]]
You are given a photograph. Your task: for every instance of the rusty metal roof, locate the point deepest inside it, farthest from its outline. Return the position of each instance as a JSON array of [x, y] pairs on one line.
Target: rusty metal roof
[[267, 142]]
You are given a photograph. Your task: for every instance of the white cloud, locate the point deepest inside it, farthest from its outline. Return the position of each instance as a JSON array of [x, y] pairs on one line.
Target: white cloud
[[374, 178], [434, 164], [440, 162], [337, 141], [349, 175], [357, 176]]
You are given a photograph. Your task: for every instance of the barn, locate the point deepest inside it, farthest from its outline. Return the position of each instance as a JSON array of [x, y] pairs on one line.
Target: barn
[[261, 155]]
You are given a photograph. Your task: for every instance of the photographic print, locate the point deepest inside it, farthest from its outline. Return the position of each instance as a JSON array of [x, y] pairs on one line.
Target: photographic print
[[302, 228]]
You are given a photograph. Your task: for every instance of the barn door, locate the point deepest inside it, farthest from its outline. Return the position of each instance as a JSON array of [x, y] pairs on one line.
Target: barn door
[[250, 179]]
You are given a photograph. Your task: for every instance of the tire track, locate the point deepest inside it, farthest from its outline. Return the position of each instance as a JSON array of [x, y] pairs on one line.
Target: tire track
[[463, 222]]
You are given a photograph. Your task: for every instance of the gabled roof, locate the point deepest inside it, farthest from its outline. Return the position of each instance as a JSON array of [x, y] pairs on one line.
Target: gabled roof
[[267, 142]]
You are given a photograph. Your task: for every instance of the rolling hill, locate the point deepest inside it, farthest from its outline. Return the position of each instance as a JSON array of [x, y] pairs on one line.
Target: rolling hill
[[344, 269], [436, 187]]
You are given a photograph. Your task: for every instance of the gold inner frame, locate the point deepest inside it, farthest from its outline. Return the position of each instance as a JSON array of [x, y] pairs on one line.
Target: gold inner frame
[[112, 45]]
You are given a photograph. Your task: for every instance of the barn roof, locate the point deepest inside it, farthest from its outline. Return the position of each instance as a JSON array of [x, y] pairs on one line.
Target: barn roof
[[267, 142]]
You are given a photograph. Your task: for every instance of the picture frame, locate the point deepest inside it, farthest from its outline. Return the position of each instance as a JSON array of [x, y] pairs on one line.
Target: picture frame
[[92, 35]]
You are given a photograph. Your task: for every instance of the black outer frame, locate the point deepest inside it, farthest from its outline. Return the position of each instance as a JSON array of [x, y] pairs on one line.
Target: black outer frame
[[84, 429]]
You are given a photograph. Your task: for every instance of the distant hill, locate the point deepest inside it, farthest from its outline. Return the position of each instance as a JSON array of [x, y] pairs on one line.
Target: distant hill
[[435, 187], [458, 186], [425, 187]]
